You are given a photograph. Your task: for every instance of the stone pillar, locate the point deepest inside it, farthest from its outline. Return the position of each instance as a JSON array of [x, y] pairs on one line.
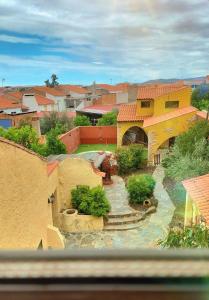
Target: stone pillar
[[151, 147]]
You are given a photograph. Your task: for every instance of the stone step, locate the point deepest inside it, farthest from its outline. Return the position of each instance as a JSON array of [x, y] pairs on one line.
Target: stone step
[[124, 220], [121, 227], [123, 214]]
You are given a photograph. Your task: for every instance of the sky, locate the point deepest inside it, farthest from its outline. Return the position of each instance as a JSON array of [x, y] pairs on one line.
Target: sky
[[103, 40]]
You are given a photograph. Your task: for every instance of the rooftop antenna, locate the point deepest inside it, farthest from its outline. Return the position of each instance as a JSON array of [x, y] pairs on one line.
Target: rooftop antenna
[[2, 81]]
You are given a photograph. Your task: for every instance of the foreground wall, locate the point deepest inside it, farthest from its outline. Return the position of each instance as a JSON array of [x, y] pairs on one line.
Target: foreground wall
[[25, 221], [89, 135]]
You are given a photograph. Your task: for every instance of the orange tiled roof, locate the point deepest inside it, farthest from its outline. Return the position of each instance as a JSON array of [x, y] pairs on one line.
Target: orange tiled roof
[[127, 113], [107, 99], [154, 91], [52, 91], [74, 88], [43, 100], [198, 189], [14, 95], [6, 103], [111, 88], [173, 114]]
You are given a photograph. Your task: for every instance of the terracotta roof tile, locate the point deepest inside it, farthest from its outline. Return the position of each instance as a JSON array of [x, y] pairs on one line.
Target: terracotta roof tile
[[111, 88], [173, 114], [73, 88], [198, 189], [52, 91], [152, 92], [127, 113], [100, 109], [106, 99], [6, 103], [43, 100]]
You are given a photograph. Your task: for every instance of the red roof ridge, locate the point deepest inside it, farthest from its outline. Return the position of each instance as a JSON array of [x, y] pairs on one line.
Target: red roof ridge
[[127, 113]]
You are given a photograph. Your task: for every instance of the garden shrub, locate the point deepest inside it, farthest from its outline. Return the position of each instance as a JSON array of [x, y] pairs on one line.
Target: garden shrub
[[108, 119], [82, 121], [138, 157], [130, 158], [55, 119], [90, 201], [124, 160], [53, 144], [140, 187], [100, 205], [189, 237]]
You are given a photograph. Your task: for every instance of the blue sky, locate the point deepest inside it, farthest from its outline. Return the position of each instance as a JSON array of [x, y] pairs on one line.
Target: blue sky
[[103, 40]]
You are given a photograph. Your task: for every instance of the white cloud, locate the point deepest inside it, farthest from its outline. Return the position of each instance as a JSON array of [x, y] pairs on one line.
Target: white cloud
[[143, 38], [15, 39]]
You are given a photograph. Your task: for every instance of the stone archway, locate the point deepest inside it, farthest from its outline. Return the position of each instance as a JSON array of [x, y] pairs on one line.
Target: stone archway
[[135, 135], [163, 150]]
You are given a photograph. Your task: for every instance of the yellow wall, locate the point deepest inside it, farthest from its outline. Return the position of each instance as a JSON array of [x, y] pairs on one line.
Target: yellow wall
[[24, 210], [159, 133], [192, 213], [183, 96], [122, 127], [145, 111], [81, 223], [70, 173]]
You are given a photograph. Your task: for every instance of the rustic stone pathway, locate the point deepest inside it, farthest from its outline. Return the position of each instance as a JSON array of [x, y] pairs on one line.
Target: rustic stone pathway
[[118, 196], [146, 235]]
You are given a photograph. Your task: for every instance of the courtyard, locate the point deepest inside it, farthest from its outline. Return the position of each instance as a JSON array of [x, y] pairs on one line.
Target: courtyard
[[144, 234]]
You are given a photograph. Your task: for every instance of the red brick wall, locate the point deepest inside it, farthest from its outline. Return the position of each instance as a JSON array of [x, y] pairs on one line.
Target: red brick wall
[[89, 135], [98, 134], [71, 139]]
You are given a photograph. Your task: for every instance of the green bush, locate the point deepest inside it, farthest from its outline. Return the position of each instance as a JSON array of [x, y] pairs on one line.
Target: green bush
[[27, 137], [82, 121], [124, 160], [108, 119], [55, 119], [100, 205], [53, 144], [194, 237], [90, 201], [130, 158], [140, 187]]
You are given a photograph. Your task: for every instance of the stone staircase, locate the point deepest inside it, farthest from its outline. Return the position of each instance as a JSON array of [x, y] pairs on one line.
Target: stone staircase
[[125, 221]]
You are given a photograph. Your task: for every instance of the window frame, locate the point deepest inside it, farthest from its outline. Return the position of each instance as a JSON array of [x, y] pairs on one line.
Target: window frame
[[171, 106]]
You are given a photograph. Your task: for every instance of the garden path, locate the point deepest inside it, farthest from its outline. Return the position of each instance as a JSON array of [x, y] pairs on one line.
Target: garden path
[[146, 235], [118, 196]]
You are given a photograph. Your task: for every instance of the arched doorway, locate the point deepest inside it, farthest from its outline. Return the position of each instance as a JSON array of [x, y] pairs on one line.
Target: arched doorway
[[135, 135], [163, 150]]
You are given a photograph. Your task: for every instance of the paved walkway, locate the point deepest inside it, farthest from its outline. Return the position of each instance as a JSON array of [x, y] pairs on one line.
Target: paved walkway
[[118, 196], [150, 230]]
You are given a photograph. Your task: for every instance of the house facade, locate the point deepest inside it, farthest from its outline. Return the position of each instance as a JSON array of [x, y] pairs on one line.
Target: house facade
[[197, 199], [160, 114]]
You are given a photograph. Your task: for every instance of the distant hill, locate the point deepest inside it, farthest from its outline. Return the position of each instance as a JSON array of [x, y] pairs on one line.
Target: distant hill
[[172, 80]]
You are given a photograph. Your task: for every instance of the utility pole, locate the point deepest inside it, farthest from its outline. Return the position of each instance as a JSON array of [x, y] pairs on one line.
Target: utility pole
[[2, 82]]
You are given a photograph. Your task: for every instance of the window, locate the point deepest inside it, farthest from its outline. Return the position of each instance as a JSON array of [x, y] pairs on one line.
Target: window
[[145, 104], [171, 104]]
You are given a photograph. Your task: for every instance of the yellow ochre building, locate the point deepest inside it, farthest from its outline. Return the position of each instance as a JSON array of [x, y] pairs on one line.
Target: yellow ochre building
[[161, 113]]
